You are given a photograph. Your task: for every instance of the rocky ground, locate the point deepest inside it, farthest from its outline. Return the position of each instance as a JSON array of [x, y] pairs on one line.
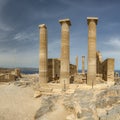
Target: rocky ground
[[17, 102], [82, 103]]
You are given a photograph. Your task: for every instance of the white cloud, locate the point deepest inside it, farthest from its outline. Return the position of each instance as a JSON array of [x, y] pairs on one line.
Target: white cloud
[[111, 53], [113, 42], [25, 36]]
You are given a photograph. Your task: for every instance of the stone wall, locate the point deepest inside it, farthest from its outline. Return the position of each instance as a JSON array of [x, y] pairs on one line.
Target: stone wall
[[104, 69], [98, 63], [73, 69], [54, 69], [108, 69]]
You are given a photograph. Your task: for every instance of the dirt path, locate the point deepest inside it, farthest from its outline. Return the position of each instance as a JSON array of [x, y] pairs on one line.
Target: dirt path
[[58, 114], [17, 103]]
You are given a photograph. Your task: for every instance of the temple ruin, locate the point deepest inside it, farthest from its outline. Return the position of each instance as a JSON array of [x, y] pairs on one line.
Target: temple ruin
[[59, 70]]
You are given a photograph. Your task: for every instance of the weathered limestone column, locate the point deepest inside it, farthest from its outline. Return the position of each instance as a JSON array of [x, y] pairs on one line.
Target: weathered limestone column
[[91, 73], [43, 55], [83, 64], [65, 52], [76, 64], [53, 69]]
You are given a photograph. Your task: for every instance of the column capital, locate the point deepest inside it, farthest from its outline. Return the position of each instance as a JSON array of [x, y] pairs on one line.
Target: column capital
[[42, 26], [89, 19], [83, 56], [65, 21]]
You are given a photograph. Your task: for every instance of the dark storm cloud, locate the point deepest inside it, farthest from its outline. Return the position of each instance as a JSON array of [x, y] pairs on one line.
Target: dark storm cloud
[[22, 13], [23, 17], [19, 20]]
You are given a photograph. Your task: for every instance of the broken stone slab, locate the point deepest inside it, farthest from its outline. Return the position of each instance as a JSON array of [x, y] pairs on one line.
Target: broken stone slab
[[57, 90], [47, 105], [77, 108], [69, 91], [70, 117], [89, 118], [86, 118], [113, 114], [37, 94], [45, 89], [87, 112], [108, 97], [22, 83], [109, 101]]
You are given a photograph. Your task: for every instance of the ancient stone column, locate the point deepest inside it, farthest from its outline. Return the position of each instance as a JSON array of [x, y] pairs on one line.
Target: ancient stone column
[[53, 69], [65, 52], [43, 55], [91, 72], [83, 64], [76, 64]]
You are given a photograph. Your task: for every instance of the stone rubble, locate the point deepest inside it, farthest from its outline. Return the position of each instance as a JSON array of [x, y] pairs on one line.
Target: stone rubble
[[47, 105], [85, 104]]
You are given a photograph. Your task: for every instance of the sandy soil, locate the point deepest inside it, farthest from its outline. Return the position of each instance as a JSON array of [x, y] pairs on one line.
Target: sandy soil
[[17, 103], [58, 114]]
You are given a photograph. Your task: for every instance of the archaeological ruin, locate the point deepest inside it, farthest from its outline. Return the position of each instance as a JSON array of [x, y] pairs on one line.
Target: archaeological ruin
[[7, 75], [59, 70]]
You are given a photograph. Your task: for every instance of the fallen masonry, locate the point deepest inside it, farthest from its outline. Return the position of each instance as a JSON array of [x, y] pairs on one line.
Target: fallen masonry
[[83, 102]]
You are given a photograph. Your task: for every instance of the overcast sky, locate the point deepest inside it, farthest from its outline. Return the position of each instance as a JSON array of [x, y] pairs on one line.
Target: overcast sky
[[19, 33]]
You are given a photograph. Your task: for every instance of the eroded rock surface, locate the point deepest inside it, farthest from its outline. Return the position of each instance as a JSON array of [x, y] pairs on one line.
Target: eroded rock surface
[[85, 104]]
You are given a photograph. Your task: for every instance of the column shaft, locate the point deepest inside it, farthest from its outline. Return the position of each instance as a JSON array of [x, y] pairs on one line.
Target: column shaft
[[91, 73], [76, 64], [43, 67], [83, 64], [65, 52], [53, 69]]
